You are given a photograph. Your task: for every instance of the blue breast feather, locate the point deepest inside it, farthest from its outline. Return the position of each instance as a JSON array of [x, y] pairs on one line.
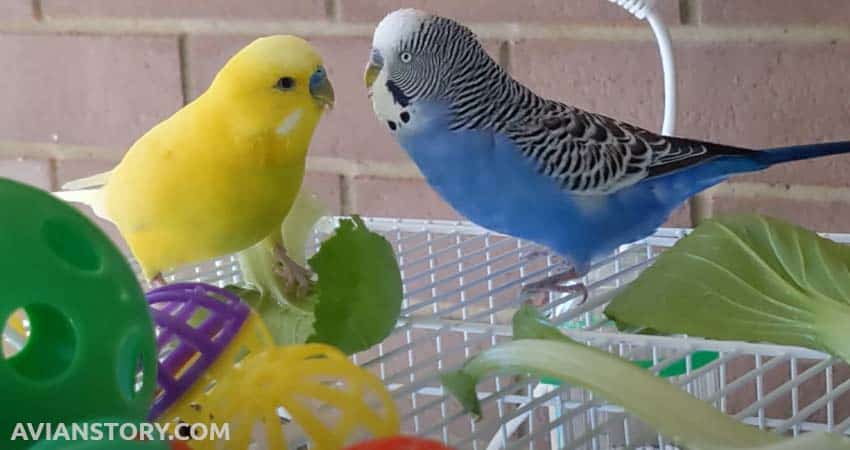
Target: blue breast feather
[[488, 181]]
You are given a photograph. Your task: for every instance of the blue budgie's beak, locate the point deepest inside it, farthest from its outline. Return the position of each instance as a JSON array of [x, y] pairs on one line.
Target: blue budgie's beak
[[321, 88], [376, 62]]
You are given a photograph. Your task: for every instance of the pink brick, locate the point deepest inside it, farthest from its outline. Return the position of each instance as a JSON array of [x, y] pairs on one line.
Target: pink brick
[[380, 197], [15, 10], [225, 9], [618, 79], [574, 11], [762, 12], [769, 94], [819, 216], [327, 187], [87, 90], [206, 55], [350, 130], [29, 171]]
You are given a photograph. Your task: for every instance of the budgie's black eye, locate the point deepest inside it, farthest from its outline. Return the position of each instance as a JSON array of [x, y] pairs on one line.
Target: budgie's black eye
[[405, 57], [285, 83]]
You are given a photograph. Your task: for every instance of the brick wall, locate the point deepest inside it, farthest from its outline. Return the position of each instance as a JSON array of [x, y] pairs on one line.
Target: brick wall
[[84, 78]]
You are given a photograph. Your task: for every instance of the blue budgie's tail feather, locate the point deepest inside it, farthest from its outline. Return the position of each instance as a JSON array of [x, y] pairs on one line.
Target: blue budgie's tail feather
[[724, 161], [773, 156]]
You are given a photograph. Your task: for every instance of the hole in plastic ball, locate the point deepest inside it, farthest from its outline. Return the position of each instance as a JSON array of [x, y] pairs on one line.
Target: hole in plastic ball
[[50, 347], [15, 333], [131, 367], [70, 243], [140, 375]]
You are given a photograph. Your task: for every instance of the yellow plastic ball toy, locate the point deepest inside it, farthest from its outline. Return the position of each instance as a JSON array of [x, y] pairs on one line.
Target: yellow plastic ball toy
[[333, 401]]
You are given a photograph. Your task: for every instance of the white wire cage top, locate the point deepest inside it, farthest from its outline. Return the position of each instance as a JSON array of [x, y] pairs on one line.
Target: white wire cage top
[[461, 286]]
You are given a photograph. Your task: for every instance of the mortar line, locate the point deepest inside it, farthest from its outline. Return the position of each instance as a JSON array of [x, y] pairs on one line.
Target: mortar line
[[37, 10], [797, 192], [508, 31], [504, 57], [332, 10], [346, 205], [327, 164], [700, 208], [185, 78], [53, 174], [689, 12]]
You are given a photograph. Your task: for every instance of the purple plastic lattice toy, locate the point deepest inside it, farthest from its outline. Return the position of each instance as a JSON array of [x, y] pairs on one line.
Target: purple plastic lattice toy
[[172, 308]]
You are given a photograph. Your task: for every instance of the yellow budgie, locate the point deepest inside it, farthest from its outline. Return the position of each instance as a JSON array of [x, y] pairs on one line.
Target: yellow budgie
[[220, 174]]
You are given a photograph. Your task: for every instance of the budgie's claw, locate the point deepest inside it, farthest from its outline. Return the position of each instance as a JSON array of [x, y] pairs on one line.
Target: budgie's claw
[[532, 255], [297, 278], [553, 284], [157, 281]]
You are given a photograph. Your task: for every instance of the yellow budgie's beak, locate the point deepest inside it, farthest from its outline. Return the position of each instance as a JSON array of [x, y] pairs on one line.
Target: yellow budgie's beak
[[321, 88], [371, 74]]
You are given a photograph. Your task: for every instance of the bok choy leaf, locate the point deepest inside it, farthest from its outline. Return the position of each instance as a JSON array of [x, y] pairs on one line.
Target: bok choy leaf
[[541, 350], [747, 278]]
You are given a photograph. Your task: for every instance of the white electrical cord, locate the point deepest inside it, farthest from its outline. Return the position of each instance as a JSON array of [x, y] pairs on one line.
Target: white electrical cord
[[643, 10]]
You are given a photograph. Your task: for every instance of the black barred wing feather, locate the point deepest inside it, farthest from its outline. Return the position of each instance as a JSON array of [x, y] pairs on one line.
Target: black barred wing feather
[[588, 153]]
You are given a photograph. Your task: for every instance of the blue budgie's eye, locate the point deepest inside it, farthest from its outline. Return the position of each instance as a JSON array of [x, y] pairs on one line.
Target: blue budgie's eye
[[405, 57]]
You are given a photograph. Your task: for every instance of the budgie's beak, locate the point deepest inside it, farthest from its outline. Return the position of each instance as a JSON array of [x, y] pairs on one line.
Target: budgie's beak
[[321, 89], [371, 74], [376, 62]]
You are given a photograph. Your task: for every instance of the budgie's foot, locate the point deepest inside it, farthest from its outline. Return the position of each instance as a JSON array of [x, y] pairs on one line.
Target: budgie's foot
[[297, 278], [553, 284], [157, 281], [532, 255]]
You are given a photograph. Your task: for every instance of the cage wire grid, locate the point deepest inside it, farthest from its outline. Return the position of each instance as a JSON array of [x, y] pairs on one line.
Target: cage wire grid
[[461, 288]]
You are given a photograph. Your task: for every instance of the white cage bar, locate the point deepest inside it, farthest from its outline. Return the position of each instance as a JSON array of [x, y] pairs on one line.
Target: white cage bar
[[461, 287]]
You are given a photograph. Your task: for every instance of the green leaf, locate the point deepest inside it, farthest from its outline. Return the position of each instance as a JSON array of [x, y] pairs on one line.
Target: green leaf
[[542, 351], [356, 300], [749, 278], [359, 289]]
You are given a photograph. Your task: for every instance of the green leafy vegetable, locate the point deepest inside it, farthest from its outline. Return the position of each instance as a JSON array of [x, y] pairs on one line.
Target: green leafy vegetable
[[541, 350], [287, 324], [747, 278], [356, 300], [359, 290], [258, 262]]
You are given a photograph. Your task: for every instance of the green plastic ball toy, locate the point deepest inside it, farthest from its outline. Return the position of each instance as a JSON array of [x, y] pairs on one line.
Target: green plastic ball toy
[[90, 329]]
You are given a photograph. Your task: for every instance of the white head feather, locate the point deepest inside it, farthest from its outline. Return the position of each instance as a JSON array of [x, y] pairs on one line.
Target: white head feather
[[396, 27]]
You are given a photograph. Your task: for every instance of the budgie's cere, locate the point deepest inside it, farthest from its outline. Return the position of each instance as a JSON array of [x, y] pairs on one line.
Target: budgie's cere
[[221, 173], [577, 182]]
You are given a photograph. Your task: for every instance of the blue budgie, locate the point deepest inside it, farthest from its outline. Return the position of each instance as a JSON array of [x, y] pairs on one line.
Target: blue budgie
[[511, 161]]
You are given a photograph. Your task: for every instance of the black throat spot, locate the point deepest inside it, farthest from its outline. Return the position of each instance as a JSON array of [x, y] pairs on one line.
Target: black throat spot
[[398, 95]]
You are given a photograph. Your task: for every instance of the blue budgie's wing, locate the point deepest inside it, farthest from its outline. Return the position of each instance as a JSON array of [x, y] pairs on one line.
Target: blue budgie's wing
[[591, 154]]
